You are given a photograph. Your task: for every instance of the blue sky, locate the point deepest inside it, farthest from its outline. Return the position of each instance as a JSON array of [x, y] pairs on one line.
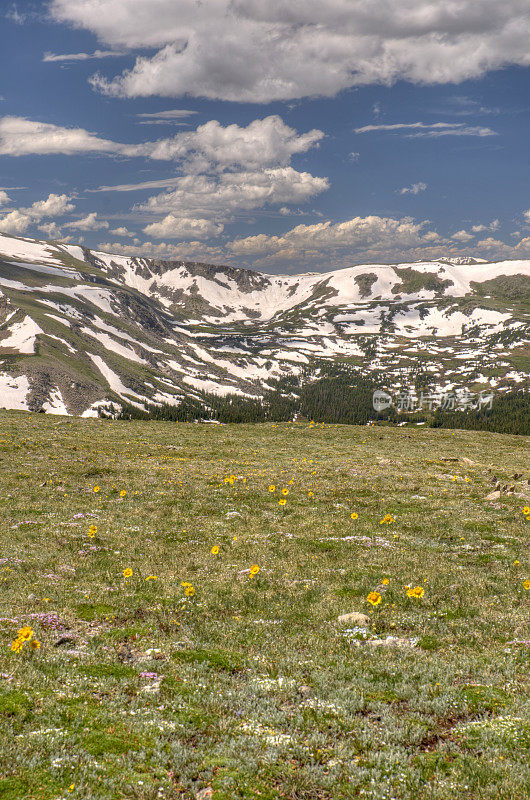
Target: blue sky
[[285, 136]]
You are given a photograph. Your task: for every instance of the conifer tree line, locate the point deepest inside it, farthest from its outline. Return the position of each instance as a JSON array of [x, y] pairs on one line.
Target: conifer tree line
[[337, 395]]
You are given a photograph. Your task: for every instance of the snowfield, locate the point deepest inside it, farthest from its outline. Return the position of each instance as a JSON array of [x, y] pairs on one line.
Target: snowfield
[[181, 329]]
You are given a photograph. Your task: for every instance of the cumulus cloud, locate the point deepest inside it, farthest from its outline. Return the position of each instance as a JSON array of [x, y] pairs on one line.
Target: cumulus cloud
[[373, 236], [526, 215], [251, 51], [88, 223], [462, 236], [432, 130], [184, 251], [122, 231], [328, 245], [224, 169], [220, 196], [4, 198], [493, 225], [414, 188], [172, 227], [51, 229], [19, 220], [263, 142]]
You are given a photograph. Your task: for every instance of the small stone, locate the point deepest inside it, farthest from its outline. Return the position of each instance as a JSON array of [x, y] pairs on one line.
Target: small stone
[[493, 495], [305, 690], [354, 617], [393, 641]]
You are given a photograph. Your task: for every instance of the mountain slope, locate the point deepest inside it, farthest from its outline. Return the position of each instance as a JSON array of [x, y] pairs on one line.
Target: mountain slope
[[80, 328]]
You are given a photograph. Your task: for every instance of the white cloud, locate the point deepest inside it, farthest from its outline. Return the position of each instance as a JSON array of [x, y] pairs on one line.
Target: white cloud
[[51, 229], [263, 142], [4, 198], [169, 115], [19, 220], [414, 188], [184, 251], [122, 231], [362, 240], [97, 54], [220, 196], [373, 237], [432, 130], [526, 215], [493, 225], [88, 223], [225, 169], [462, 236], [15, 222], [19, 137], [172, 227], [251, 51]]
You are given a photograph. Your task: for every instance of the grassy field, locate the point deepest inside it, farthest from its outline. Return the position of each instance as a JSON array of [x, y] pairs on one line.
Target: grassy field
[[166, 669]]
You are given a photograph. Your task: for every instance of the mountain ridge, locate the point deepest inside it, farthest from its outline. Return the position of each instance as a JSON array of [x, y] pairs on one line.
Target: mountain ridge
[[80, 328]]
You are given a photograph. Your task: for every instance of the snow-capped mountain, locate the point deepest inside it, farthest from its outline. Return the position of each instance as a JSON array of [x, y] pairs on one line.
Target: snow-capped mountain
[[80, 328]]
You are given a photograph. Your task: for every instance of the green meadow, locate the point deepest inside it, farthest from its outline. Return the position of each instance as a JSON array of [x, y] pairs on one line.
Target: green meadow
[[170, 629]]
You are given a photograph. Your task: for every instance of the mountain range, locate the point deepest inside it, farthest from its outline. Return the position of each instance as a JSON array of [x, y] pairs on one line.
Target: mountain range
[[80, 329]]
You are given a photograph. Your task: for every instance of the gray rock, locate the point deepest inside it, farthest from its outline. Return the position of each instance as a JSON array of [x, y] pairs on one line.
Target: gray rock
[[354, 617], [493, 495]]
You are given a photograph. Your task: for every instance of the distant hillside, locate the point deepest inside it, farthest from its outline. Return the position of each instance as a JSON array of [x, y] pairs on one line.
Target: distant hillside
[[80, 329]]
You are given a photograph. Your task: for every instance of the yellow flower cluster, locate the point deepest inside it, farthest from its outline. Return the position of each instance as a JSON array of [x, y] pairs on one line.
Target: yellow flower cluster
[[189, 591], [417, 591], [387, 519], [92, 531], [24, 635]]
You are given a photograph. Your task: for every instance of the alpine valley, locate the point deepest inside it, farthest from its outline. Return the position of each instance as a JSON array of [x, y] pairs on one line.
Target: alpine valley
[[81, 329]]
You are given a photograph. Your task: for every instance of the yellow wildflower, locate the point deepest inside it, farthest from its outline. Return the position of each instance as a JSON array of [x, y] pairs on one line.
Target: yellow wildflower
[[354, 515], [282, 502], [385, 581], [526, 585], [151, 578], [96, 489], [35, 644], [25, 633], [127, 572], [92, 531], [123, 493], [214, 550], [417, 592], [189, 591], [374, 598], [285, 492], [526, 510], [254, 569], [272, 488]]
